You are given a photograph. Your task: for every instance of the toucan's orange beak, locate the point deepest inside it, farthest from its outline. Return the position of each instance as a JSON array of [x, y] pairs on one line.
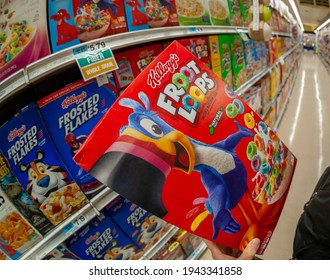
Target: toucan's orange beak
[[173, 143]]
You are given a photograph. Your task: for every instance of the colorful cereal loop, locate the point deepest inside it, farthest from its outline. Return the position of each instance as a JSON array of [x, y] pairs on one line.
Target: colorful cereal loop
[[249, 120], [180, 81], [259, 142], [190, 103], [231, 111], [188, 73], [251, 150], [197, 94], [239, 106]]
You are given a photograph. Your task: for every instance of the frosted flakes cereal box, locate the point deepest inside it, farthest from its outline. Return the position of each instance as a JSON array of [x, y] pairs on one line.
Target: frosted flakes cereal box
[[70, 114], [21, 199], [180, 144], [101, 239], [38, 167], [140, 226]]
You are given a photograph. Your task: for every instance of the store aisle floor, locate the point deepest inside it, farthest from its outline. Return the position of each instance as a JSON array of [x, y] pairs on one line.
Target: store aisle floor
[[305, 129]]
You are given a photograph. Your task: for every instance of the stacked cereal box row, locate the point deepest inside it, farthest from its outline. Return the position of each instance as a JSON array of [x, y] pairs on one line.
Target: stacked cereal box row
[[39, 178], [122, 231], [31, 30]]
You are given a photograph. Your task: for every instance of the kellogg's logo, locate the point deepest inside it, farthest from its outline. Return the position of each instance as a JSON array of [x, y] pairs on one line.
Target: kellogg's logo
[[156, 74], [73, 99]]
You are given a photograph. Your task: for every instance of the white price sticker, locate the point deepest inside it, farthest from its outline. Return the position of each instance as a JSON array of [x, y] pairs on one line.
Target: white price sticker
[[74, 225]]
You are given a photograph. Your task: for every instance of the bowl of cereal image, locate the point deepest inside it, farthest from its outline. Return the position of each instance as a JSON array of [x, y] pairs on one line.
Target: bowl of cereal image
[[219, 12], [192, 12], [157, 14], [91, 22]]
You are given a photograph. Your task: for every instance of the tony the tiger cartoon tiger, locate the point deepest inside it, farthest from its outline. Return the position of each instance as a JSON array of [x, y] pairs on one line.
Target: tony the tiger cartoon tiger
[[43, 179]]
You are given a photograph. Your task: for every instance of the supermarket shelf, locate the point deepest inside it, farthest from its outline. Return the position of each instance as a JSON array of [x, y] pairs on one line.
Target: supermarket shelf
[[13, 84], [69, 226], [160, 243], [243, 88], [198, 252], [278, 93], [279, 118]]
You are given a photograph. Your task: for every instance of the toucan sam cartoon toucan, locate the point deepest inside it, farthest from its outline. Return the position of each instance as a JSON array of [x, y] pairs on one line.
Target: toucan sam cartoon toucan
[[137, 163]]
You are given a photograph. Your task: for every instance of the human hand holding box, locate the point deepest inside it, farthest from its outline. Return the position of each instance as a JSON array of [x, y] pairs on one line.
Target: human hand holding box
[[181, 145]]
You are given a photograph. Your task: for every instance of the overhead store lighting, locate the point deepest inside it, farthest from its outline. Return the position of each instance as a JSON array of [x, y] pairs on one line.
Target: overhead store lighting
[[323, 24], [295, 10]]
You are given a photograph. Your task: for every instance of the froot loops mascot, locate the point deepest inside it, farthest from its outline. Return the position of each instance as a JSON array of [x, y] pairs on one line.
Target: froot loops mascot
[[137, 164]]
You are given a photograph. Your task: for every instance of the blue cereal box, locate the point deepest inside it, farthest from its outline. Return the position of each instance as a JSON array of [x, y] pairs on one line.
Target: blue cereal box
[[136, 15], [38, 167], [70, 114], [101, 239], [141, 226]]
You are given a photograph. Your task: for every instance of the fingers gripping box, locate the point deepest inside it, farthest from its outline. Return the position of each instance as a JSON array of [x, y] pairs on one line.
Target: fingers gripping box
[[182, 146], [70, 114], [38, 167], [137, 223]]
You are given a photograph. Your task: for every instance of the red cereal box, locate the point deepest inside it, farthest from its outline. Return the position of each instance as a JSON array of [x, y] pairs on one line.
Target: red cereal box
[[181, 145], [131, 63]]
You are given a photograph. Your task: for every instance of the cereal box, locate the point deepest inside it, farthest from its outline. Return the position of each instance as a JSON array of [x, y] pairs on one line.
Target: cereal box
[[140, 226], [70, 114], [215, 55], [235, 14], [225, 59], [193, 12], [76, 21], [101, 239], [180, 144], [21, 199], [136, 15], [131, 63], [23, 34], [161, 13], [219, 12], [237, 60], [199, 47], [38, 167], [16, 233], [244, 8]]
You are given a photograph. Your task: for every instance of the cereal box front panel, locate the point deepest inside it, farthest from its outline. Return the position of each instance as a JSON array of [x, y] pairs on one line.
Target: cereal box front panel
[[219, 12], [70, 114], [136, 15], [161, 13], [23, 34], [38, 167], [181, 145], [77, 21], [193, 12]]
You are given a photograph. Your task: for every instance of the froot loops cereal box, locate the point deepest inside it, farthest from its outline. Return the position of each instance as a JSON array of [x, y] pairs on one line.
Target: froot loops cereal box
[[23, 35], [36, 164], [180, 144], [78, 21]]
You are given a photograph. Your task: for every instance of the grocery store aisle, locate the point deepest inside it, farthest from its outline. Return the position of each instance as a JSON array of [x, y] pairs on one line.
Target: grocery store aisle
[[305, 129]]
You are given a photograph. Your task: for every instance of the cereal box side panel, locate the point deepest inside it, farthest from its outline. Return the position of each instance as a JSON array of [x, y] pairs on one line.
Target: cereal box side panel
[[118, 21], [76, 109], [24, 37], [181, 101]]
